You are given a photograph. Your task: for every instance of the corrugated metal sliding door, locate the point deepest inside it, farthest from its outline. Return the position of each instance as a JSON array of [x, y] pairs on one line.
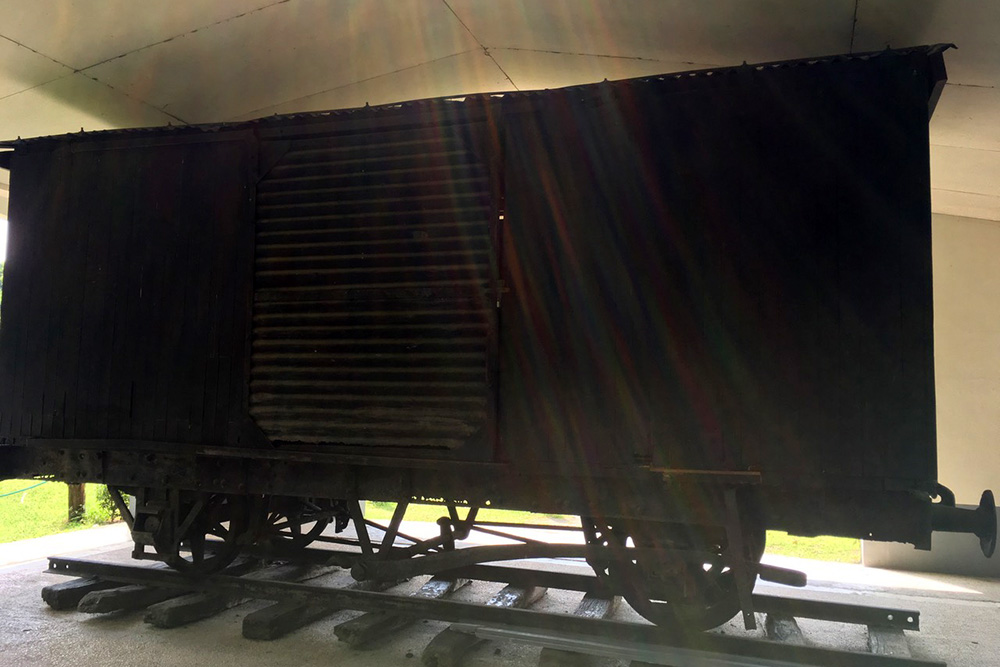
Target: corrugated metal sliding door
[[373, 320]]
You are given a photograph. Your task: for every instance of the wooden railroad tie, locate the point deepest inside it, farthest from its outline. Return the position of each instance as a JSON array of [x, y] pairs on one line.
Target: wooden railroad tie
[[197, 606], [363, 631], [281, 618], [450, 646], [591, 606]]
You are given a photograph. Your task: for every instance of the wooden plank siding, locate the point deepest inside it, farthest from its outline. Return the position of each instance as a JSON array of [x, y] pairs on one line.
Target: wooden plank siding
[[722, 271], [128, 272]]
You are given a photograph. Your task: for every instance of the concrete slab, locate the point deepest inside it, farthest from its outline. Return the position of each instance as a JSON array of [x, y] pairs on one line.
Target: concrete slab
[[960, 617], [98, 540]]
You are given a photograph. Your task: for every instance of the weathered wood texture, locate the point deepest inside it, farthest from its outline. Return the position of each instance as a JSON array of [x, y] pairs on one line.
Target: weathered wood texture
[[77, 499], [363, 631], [591, 606], [135, 596], [197, 606], [125, 598], [67, 594], [281, 618], [450, 647], [888, 641], [127, 276], [783, 629], [745, 276]]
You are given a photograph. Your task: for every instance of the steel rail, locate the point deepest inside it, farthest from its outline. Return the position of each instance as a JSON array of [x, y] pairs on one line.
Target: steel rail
[[839, 612], [658, 638]]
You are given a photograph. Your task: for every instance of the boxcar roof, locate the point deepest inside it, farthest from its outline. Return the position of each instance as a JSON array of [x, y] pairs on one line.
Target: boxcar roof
[[668, 82]]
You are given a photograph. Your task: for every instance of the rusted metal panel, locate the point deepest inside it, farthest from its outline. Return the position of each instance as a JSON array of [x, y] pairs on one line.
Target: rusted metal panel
[[372, 265]]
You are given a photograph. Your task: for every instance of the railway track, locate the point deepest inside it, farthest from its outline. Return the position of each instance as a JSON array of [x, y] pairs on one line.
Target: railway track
[[300, 595]]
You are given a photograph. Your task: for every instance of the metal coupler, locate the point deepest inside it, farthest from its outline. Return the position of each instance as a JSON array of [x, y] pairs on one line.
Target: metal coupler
[[982, 521]]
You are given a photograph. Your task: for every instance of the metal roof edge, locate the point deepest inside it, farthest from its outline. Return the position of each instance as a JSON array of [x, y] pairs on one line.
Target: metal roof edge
[[265, 121]]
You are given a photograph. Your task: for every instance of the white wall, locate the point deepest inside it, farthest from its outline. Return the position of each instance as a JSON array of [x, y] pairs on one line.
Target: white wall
[[967, 353], [967, 367]]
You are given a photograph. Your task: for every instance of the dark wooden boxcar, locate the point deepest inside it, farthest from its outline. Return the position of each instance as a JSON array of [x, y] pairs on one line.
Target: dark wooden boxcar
[[604, 300]]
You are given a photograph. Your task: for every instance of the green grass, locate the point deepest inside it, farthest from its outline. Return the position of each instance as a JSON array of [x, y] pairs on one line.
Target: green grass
[[42, 510], [835, 549], [377, 511]]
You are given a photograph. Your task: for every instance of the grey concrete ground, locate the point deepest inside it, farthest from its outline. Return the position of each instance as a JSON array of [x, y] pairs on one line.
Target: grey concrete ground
[[960, 619]]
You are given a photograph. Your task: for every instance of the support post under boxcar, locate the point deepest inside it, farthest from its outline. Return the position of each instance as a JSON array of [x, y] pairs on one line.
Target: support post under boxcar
[[77, 501]]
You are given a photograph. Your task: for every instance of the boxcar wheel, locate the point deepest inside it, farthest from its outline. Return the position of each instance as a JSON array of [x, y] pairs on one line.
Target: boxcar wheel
[[671, 591], [297, 522], [184, 531]]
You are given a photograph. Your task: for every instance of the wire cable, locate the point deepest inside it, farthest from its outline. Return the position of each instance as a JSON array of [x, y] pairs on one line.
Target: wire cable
[[14, 493]]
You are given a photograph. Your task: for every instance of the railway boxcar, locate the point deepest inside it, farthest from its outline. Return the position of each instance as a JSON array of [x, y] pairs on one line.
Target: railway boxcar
[[685, 307]]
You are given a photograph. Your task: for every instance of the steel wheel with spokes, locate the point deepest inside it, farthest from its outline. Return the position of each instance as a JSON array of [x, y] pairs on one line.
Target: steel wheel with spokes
[[297, 522], [689, 585], [202, 534]]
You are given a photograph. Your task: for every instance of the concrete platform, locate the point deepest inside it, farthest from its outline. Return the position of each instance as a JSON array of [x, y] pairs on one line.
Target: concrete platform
[[960, 618]]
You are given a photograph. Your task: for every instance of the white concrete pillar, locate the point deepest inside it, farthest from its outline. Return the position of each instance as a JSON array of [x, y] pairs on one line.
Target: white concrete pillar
[[967, 378]]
